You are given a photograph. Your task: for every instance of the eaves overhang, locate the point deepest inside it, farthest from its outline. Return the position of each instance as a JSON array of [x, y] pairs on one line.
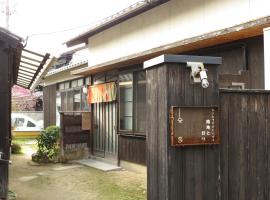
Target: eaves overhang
[[123, 15], [226, 35]]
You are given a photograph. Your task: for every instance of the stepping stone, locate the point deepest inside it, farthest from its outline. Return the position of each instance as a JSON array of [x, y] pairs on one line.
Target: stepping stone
[[98, 165], [66, 167]]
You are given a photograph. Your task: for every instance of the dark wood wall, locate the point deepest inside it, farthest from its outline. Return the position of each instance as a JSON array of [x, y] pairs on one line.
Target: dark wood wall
[[73, 137], [236, 169], [178, 173], [132, 149], [245, 141], [10, 52], [6, 64], [242, 61], [49, 101]]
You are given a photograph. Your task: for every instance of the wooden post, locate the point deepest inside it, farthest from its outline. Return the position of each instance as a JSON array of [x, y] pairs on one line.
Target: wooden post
[[5, 110], [190, 172]]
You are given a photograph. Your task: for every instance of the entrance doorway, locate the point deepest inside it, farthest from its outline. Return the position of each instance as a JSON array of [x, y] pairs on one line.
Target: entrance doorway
[[105, 143]]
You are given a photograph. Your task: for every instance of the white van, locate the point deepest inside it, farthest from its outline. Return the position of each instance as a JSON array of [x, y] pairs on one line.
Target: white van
[[24, 126]]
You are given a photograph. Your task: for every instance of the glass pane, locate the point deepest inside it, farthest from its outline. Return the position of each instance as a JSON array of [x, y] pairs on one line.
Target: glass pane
[[126, 101], [80, 82], [77, 100], [30, 124], [61, 86], [63, 101], [69, 101], [126, 123], [99, 78], [87, 81], [19, 122], [58, 108], [67, 85], [74, 83], [140, 102], [84, 102]]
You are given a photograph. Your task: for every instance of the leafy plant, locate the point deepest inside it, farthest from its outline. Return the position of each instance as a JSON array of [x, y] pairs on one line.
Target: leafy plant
[[16, 148], [48, 145]]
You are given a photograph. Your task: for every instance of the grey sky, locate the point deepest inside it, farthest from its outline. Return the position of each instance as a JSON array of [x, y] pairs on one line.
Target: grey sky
[[45, 16]]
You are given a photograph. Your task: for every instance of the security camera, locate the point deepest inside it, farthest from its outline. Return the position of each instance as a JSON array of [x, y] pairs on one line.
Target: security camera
[[203, 77], [198, 73]]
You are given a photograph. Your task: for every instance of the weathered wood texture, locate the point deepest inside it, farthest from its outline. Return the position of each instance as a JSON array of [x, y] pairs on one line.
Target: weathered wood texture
[[242, 61], [132, 149], [10, 51], [244, 156], [71, 130], [49, 105], [5, 99], [178, 173], [237, 169]]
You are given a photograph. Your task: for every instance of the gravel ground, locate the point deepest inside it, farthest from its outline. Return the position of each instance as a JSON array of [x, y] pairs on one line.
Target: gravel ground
[[31, 181]]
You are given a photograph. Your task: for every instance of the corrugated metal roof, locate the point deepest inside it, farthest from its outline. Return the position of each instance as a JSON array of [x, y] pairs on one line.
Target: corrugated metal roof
[[70, 66]]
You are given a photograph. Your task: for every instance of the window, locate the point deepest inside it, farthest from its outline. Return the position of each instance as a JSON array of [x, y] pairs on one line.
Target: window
[[61, 86], [139, 101], [71, 97], [88, 81], [74, 83], [30, 124], [126, 101], [98, 79], [132, 99], [80, 82], [19, 122], [77, 100], [67, 85]]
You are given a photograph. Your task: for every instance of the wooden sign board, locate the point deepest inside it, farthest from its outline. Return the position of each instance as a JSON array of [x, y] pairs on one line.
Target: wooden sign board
[[86, 120], [194, 126]]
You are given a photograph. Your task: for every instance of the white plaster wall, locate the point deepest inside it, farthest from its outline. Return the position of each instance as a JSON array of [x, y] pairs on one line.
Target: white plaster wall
[[171, 22]]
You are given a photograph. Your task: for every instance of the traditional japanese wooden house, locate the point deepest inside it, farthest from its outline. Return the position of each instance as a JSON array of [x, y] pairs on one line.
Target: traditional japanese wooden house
[[136, 123]]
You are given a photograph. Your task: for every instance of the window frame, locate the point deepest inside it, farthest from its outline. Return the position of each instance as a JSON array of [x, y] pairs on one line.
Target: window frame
[[131, 132]]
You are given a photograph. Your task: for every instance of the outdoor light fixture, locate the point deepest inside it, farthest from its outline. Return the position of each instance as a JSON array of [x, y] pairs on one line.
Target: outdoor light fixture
[[198, 73]]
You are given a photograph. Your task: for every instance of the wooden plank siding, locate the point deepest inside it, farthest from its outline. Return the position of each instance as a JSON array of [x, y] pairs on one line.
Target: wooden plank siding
[[49, 101], [244, 155], [179, 173], [242, 61], [132, 149], [5, 110], [236, 169], [10, 53], [73, 138]]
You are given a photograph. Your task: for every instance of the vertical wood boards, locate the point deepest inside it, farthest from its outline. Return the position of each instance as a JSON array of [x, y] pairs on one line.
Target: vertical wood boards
[[178, 173], [132, 149], [49, 101], [243, 60], [244, 155], [157, 130], [237, 169], [6, 64]]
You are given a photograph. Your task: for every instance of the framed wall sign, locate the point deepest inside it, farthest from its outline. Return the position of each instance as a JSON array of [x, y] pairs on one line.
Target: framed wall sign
[[194, 125]]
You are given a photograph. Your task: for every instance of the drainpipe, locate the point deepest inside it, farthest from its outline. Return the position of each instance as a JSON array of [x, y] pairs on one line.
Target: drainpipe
[[266, 33]]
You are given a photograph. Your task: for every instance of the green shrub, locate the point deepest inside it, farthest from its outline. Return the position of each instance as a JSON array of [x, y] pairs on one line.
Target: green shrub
[[48, 145], [16, 148]]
